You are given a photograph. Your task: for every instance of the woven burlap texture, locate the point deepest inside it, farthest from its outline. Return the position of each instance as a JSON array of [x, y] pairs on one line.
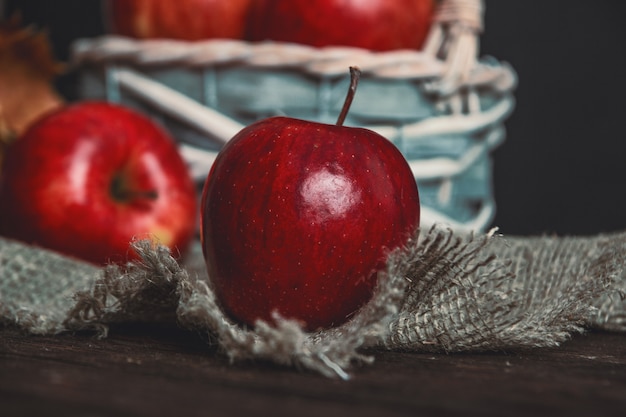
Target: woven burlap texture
[[445, 292]]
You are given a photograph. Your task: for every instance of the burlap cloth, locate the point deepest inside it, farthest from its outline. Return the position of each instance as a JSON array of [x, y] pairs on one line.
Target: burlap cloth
[[443, 293]]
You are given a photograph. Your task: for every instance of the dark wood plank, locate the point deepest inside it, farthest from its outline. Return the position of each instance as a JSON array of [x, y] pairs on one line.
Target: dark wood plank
[[148, 371]]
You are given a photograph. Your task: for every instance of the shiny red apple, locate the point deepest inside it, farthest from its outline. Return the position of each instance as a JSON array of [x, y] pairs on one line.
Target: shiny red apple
[[298, 217], [378, 25], [88, 178], [178, 19]]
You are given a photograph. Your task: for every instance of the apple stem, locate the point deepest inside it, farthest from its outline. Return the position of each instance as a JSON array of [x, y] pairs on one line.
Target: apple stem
[[123, 194], [355, 74]]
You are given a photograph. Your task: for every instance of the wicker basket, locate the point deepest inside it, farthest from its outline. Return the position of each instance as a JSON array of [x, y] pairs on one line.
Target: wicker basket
[[441, 106]]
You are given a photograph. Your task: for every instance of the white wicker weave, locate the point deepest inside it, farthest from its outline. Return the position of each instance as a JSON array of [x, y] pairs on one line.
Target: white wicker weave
[[441, 106]]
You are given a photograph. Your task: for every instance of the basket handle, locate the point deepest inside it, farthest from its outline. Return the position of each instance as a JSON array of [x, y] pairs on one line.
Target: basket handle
[[454, 39]]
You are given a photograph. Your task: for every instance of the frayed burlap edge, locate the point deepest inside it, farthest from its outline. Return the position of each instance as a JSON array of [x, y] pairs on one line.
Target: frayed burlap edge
[[444, 292], [492, 293], [131, 294]]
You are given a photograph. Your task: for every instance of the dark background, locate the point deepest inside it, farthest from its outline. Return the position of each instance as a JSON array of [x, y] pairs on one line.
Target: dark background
[[562, 168]]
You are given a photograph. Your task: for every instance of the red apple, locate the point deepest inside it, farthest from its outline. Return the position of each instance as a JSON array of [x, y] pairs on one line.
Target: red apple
[[179, 19], [378, 25], [88, 178], [298, 217]]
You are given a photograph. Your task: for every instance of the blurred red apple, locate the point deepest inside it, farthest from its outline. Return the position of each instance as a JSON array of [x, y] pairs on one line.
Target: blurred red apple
[[298, 217], [378, 25], [88, 178], [178, 19]]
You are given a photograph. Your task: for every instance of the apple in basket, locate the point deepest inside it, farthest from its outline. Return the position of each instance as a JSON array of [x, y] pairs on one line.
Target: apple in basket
[[178, 19], [297, 218], [88, 178], [378, 25]]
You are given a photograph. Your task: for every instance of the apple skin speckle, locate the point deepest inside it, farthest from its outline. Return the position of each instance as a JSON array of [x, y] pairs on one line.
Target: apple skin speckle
[[322, 208]]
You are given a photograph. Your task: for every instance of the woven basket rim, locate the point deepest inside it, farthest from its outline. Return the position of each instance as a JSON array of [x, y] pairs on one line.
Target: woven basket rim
[[448, 55]]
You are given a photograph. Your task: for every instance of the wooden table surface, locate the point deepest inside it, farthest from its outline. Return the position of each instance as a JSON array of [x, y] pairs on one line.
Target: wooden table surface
[[154, 371]]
